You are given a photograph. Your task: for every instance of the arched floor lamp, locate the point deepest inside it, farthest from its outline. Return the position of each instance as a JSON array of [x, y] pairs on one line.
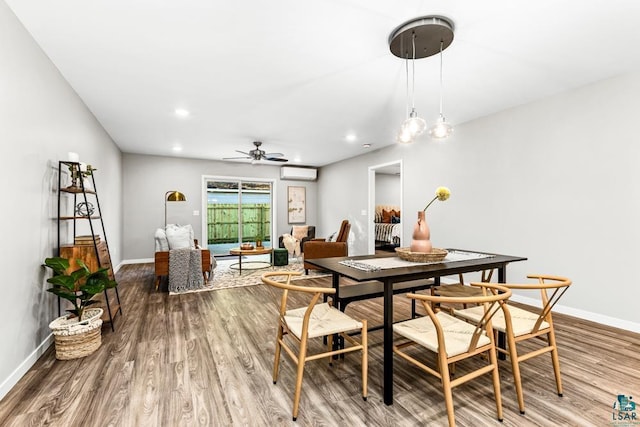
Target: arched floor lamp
[[172, 196]]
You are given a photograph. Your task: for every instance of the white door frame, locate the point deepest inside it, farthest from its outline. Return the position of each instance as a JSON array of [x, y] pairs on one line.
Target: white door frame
[[372, 202], [206, 178]]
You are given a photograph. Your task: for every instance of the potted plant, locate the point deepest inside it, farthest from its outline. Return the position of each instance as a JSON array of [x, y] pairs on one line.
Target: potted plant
[[259, 239], [77, 334]]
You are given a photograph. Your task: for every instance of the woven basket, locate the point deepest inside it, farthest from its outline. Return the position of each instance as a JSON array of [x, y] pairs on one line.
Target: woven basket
[[434, 256], [75, 339]]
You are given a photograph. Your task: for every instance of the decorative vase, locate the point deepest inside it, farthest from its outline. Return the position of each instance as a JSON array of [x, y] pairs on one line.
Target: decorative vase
[[421, 235]]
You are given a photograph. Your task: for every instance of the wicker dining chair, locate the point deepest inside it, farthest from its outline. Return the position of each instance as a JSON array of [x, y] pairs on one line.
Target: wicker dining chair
[[315, 320], [520, 325], [461, 289], [453, 339]]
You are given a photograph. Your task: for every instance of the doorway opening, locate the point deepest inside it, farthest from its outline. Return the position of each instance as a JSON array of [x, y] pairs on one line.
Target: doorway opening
[[237, 211], [385, 207]]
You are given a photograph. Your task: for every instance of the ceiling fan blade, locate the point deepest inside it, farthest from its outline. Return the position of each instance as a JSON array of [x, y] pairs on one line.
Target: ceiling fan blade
[[235, 158], [273, 155], [242, 152], [275, 159]]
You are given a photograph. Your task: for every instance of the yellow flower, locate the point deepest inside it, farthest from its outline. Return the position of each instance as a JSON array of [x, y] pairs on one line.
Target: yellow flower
[[442, 194]]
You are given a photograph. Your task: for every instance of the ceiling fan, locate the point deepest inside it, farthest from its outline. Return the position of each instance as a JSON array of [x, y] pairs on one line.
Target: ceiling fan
[[257, 154]]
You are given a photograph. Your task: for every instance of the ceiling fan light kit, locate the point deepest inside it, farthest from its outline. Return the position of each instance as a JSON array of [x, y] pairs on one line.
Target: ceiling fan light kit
[[420, 38]]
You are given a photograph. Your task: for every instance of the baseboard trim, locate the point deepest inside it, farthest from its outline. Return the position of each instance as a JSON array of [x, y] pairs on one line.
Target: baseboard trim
[[137, 261], [24, 367], [585, 315]]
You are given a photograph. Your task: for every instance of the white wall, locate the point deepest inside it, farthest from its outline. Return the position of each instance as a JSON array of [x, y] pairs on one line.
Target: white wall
[[555, 181], [387, 189], [148, 178], [41, 119]]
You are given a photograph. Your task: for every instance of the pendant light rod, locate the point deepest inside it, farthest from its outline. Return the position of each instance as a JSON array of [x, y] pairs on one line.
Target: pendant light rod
[[406, 69], [413, 72], [441, 129], [441, 43]]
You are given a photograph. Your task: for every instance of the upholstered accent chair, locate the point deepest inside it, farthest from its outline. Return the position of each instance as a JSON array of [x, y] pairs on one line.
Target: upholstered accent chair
[[302, 233], [321, 248], [178, 237]]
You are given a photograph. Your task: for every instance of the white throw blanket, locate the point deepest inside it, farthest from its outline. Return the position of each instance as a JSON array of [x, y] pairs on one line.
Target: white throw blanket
[[185, 270], [291, 244]]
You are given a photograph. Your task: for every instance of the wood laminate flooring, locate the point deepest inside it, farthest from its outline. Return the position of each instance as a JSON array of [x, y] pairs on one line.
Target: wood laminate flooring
[[205, 359]]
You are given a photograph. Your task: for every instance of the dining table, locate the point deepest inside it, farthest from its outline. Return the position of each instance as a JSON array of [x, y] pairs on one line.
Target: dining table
[[389, 269]]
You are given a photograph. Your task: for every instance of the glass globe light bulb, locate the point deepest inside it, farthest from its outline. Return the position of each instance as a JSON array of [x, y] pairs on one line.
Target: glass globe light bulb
[[415, 125], [404, 136], [441, 129]]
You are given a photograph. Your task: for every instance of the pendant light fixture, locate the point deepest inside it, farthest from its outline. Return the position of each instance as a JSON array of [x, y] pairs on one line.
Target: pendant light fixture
[[426, 36], [404, 136], [414, 125], [441, 129]]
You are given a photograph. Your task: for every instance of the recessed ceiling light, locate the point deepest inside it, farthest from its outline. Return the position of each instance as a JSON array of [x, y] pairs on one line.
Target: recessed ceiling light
[[366, 145], [351, 137], [181, 112], [297, 160], [177, 148]]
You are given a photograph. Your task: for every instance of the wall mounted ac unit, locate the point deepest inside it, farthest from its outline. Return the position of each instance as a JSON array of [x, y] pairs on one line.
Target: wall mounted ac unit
[[299, 174]]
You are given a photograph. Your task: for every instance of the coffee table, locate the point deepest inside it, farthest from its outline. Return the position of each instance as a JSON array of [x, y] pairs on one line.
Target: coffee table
[[247, 252]]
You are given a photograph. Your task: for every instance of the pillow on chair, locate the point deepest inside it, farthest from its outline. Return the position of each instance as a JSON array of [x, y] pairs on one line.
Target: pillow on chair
[[180, 236], [162, 244], [299, 231]]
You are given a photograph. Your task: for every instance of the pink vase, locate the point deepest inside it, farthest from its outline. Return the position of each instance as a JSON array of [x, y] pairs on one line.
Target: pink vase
[[421, 235]]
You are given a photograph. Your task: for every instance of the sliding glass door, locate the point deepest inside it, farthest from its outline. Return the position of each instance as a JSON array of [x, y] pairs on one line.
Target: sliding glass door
[[238, 211]]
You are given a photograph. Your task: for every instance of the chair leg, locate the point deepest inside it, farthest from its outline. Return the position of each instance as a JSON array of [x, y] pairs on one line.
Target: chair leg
[[446, 389], [496, 382], [515, 367], [276, 362], [556, 360], [301, 360], [365, 359]]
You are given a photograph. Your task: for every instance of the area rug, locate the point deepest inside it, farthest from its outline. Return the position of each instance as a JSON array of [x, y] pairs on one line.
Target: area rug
[[226, 274]]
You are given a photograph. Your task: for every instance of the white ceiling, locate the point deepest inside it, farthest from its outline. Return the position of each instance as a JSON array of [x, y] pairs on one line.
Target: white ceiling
[[301, 75]]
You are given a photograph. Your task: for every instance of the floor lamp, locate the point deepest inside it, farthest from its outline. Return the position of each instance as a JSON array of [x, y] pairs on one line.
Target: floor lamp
[[172, 196]]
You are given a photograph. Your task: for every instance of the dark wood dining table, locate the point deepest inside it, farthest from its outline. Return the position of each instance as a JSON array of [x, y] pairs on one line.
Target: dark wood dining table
[[390, 276]]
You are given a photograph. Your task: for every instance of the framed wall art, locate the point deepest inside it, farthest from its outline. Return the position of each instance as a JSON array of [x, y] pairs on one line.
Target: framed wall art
[[296, 205]]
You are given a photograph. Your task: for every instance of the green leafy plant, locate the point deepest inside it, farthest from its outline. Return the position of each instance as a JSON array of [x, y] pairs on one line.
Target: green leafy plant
[[78, 287]]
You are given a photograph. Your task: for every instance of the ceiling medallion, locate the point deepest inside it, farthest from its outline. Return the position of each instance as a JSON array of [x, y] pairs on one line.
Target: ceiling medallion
[[429, 32]]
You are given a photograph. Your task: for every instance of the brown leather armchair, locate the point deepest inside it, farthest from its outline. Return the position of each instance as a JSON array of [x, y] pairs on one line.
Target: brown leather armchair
[[319, 248]]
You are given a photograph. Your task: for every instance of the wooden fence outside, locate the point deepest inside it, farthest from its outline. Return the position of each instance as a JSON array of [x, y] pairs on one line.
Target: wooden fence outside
[[222, 223]]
